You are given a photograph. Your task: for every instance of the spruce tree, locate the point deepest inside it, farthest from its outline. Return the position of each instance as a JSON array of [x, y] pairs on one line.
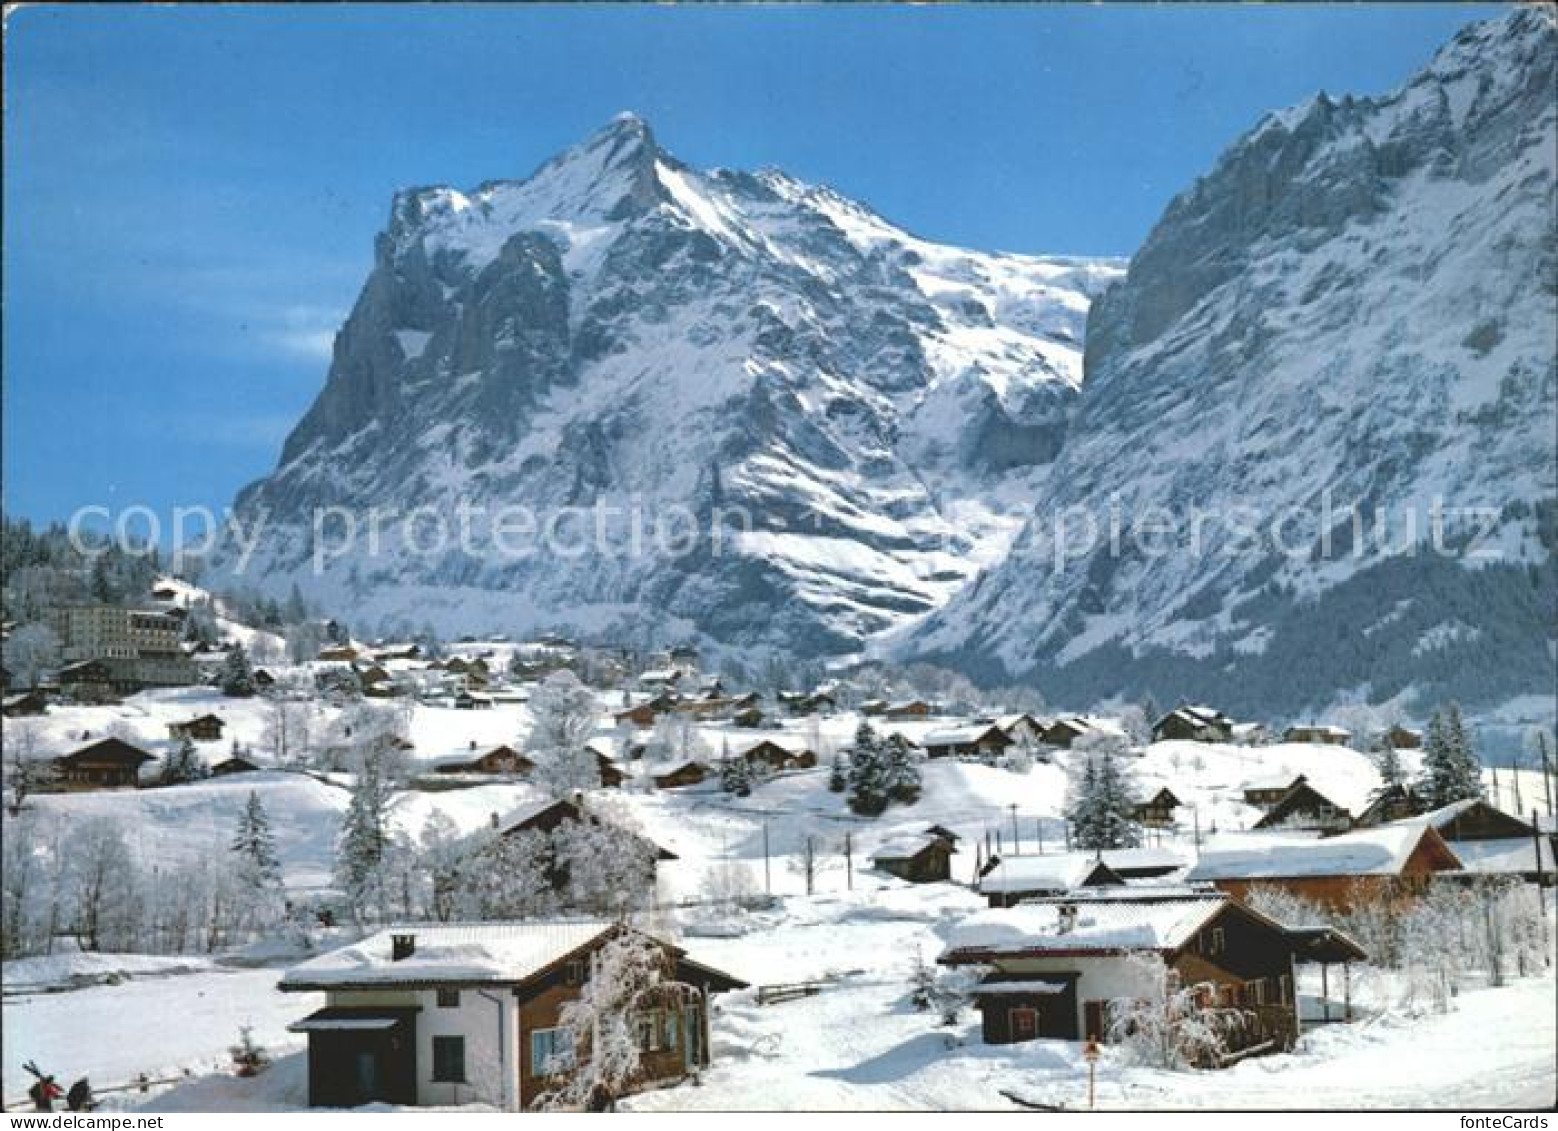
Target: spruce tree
[[903, 770], [1388, 762], [1451, 770], [255, 845], [364, 843], [236, 677], [1465, 766], [838, 779], [868, 776], [183, 765], [1102, 809]]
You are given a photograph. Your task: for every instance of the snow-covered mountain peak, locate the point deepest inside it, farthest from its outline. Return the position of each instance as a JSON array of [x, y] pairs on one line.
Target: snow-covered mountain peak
[[620, 325]]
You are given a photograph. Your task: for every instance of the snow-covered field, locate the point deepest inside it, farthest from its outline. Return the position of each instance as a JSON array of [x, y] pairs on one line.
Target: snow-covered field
[[857, 1045]]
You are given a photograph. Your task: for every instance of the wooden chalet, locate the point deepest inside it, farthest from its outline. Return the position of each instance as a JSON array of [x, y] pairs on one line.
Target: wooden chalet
[[1318, 735], [499, 761], [24, 704], [1305, 807], [1052, 968], [920, 858], [1389, 866], [109, 763], [1193, 723], [770, 757], [338, 654], [688, 773], [1404, 738], [911, 709], [440, 1015], [1266, 792], [965, 742], [611, 775], [1021, 728], [641, 715], [1490, 842], [201, 728], [1010, 879], [1157, 812], [1397, 802], [233, 764], [472, 701]]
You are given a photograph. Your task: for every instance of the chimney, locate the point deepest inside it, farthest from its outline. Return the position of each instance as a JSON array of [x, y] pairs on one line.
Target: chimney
[[402, 946], [1068, 919]]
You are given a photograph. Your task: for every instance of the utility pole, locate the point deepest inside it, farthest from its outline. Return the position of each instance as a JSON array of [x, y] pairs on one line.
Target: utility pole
[[1541, 886], [768, 882], [849, 862], [1038, 828], [1195, 815], [1016, 838]]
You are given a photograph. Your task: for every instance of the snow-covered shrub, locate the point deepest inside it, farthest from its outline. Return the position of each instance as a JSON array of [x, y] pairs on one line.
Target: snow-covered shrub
[[1171, 1025], [249, 1058]]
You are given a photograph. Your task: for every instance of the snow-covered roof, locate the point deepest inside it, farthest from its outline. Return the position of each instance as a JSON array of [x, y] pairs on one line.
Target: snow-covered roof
[[459, 955], [905, 846], [1106, 925], [1372, 852], [1057, 872], [957, 736], [1505, 856]]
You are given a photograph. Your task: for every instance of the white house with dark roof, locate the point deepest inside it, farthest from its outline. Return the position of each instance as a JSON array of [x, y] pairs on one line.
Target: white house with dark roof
[[446, 1014]]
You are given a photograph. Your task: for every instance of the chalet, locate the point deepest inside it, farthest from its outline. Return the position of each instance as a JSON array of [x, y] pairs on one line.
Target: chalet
[[1008, 880], [1490, 842], [233, 764], [201, 728], [472, 701], [1305, 807], [1318, 735], [688, 773], [24, 704], [807, 702], [499, 761], [1143, 863], [1263, 793], [109, 763], [962, 742], [403, 651], [263, 679], [1192, 723], [1395, 802], [1021, 728], [1248, 734], [451, 1015], [1157, 812], [770, 757], [1063, 732], [920, 858], [1404, 738], [98, 681], [641, 715], [873, 707], [911, 709], [338, 654], [1390, 865], [659, 679], [545, 815], [700, 708], [1053, 968]]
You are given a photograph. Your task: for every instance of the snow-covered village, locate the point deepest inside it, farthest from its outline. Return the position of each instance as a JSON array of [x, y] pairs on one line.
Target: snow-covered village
[[908, 782]]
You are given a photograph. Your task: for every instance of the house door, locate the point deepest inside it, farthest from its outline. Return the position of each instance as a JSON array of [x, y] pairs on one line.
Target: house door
[[366, 1073], [1094, 1011], [1024, 1020]]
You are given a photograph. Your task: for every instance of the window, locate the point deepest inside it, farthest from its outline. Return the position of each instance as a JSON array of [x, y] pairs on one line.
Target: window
[[1217, 941], [573, 973], [449, 1060], [551, 1051], [1285, 987], [448, 999]]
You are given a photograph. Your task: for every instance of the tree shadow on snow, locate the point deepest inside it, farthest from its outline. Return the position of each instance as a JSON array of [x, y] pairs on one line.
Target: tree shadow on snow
[[908, 1057]]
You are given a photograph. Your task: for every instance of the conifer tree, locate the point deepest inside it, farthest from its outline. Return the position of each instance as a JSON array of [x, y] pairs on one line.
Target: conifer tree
[[364, 843], [183, 765], [1451, 771], [1101, 812], [236, 677], [903, 770], [255, 845], [838, 778], [869, 782]]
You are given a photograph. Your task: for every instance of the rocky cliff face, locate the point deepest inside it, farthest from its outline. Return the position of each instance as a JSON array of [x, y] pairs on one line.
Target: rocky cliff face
[[854, 419], [1356, 304]]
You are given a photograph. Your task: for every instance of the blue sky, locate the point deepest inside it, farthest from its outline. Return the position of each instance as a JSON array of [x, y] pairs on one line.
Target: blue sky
[[191, 193]]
